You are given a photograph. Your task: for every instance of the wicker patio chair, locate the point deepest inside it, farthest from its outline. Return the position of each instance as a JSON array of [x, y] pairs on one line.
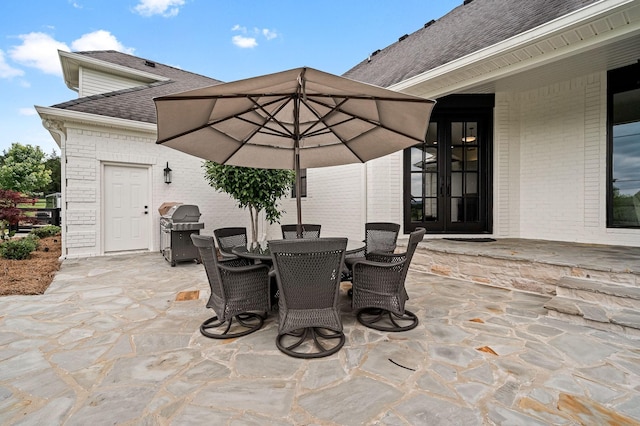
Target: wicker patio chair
[[228, 238], [308, 277], [237, 293], [290, 232], [380, 237], [379, 294]]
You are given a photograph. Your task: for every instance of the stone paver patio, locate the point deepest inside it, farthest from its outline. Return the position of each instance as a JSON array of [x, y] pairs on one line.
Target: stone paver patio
[[110, 343]]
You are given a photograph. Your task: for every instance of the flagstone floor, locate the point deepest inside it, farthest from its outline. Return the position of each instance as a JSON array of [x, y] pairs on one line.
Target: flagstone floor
[[115, 340]]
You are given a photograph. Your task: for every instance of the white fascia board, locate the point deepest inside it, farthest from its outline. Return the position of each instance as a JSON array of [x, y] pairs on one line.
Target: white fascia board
[[72, 61], [93, 119], [574, 19]]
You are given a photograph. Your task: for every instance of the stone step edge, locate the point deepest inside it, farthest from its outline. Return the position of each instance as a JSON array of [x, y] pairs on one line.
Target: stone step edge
[[595, 312], [602, 287]]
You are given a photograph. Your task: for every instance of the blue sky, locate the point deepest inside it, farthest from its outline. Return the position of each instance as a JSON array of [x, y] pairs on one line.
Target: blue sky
[[227, 40]]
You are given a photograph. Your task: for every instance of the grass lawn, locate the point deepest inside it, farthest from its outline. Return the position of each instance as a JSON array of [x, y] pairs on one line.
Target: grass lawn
[[41, 203]]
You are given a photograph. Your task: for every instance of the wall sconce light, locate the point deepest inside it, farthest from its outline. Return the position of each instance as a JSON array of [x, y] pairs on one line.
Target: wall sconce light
[[167, 174]]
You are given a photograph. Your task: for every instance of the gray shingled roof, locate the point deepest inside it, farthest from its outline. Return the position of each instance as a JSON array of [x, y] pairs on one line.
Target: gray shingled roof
[[462, 31], [135, 103]]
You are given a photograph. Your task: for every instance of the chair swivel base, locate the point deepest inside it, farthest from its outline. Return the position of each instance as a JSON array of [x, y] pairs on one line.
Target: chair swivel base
[[237, 326], [312, 342], [383, 320]]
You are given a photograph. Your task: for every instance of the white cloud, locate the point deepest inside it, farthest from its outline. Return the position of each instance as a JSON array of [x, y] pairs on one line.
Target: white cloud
[[6, 70], [166, 8], [39, 50], [27, 111], [100, 40], [269, 34], [244, 42]]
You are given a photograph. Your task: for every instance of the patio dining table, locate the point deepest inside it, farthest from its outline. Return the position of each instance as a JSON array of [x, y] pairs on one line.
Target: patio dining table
[[260, 251]]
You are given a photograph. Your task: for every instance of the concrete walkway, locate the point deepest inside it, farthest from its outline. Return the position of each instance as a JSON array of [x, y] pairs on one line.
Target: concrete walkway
[[109, 343]]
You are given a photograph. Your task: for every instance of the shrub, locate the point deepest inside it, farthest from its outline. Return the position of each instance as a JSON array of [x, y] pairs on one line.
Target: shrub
[[45, 231], [18, 249]]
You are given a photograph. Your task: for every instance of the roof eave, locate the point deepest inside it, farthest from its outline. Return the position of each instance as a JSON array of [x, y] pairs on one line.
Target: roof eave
[[68, 116], [479, 67], [71, 63]]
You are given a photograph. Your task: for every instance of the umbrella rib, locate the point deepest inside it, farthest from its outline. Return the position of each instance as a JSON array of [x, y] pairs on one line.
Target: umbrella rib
[[235, 116], [261, 126], [367, 120]]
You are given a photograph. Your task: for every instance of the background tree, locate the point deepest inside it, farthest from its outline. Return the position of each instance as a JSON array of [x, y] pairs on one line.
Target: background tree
[[255, 189], [23, 169], [53, 163]]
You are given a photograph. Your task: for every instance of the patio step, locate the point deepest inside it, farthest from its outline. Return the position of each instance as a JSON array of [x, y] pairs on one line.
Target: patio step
[[602, 305], [600, 292]]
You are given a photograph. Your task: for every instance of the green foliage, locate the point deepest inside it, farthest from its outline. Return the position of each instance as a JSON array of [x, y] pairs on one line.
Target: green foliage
[[9, 210], [53, 163], [45, 231], [255, 189], [23, 169], [18, 249]]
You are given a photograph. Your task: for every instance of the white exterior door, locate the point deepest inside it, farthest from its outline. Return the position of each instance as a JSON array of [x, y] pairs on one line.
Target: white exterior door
[[126, 208]]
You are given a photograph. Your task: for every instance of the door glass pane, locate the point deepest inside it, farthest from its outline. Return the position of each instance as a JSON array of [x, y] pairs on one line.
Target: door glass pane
[[472, 209], [457, 158], [457, 209], [416, 158], [431, 209], [456, 184], [416, 185], [471, 158], [416, 210], [431, 185], [470, 183]]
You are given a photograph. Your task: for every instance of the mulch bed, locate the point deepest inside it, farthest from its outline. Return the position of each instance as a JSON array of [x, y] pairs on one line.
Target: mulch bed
[[34, 274]]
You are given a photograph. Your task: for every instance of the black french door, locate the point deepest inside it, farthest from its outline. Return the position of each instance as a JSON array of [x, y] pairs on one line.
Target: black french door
[[447, 177]]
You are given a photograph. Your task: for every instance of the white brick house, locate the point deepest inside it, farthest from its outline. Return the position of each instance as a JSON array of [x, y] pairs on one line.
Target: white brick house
[[522, 143]]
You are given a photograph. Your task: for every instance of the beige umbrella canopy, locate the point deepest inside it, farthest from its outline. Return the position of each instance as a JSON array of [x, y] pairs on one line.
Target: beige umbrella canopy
[[296, 119]]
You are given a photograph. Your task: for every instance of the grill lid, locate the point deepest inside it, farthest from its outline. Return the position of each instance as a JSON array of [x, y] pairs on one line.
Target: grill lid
[[183, 213]]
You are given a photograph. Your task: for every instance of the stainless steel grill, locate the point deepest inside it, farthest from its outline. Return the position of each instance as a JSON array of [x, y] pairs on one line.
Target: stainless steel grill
[[176, 227]]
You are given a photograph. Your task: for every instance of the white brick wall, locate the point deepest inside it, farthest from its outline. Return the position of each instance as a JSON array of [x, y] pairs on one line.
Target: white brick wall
[[87, 148], [550, 164]]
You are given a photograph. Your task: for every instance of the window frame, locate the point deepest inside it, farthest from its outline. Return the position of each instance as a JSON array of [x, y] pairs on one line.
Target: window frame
[[619, 80]]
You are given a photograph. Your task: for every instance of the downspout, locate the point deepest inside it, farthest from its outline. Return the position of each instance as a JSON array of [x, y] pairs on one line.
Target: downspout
[[56, 129]]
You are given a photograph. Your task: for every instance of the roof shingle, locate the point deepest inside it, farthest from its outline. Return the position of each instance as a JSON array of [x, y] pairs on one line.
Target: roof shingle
[[135, 103], [466, 29]]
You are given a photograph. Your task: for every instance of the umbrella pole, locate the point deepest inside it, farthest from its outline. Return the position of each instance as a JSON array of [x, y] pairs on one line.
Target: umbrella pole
[[298, 192]]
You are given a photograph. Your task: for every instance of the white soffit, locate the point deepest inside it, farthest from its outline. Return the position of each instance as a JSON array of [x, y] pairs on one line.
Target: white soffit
[[602, 36], [68, 116]]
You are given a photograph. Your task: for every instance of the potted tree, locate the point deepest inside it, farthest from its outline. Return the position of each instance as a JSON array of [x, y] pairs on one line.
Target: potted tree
[[254, 189]]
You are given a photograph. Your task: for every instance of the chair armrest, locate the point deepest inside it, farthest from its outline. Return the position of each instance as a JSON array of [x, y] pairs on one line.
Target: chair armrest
[[386, 257], [374, 264]]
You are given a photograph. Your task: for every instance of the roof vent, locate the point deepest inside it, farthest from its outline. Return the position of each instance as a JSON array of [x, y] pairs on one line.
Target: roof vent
[[403, 37], [431, 22], [150, 64], [467, 2]]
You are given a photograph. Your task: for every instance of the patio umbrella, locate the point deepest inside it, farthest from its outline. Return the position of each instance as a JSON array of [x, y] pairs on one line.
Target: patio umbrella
[[296, 119]]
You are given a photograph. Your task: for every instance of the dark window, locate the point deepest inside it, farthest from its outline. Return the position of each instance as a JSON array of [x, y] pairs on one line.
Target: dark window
[[303, 182], [623, 191]]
